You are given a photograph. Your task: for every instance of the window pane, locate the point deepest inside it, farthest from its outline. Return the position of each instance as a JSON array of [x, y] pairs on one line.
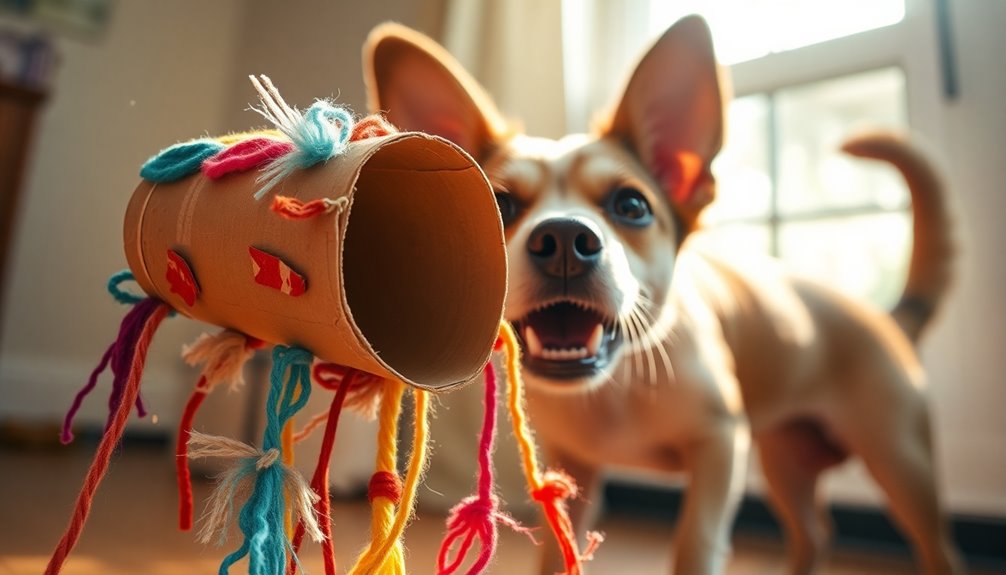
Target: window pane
[[735, 239], [812, 122], [748, 29], [864, 256], [744, 184]]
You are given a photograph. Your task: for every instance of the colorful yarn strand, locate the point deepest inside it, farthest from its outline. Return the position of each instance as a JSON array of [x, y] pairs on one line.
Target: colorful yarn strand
[[262, 518], [119, 354], [552, 488], [385, 554], [294, 209], [223, 356], [321, 374], [477, 515], [155, 314], [317, 135], [245, 155]]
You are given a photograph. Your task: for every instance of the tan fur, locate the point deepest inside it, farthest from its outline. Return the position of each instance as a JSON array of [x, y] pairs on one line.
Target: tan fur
[[720, 356]]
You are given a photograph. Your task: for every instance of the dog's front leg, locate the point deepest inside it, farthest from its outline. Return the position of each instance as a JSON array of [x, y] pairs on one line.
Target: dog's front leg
[[583, 509], [717, 464]]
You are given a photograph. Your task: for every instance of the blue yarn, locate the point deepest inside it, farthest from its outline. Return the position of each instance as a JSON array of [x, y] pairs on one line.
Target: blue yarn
[[118, 293], [261, 518], [314, 142], [176, 162]]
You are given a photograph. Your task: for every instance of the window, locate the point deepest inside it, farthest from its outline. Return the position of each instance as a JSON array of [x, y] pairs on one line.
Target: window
[[786, 189], [749, 29]]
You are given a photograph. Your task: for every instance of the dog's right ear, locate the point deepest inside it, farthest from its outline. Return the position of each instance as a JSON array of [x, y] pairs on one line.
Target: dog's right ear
[[421, 87]]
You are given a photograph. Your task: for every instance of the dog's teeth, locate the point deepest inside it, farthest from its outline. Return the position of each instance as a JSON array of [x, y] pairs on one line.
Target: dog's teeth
[[533, 343], [594, 343], [564, 354]]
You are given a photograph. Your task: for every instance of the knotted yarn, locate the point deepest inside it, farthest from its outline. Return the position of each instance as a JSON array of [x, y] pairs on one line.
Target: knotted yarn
[[223, 357], [263, 516], [317, 135], [294, 209], [385, 554], [551, 489], [477, 515]]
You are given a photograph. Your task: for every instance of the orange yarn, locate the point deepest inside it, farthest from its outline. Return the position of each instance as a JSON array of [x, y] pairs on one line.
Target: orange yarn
[[372, 126], [294, 209], [552, 488]]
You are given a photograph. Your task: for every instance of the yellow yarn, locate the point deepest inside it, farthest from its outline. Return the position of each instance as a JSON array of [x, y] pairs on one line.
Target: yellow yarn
[[286, 443], [382, 509], [385, 554], [236, 137], [521, 429]]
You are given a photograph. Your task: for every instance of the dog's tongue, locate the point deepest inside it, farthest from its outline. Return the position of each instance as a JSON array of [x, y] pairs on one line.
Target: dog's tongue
[[564, 326]]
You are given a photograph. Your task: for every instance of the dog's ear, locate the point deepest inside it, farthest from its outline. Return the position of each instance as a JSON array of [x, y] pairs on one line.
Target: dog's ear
[[423, 88], [671, 115]]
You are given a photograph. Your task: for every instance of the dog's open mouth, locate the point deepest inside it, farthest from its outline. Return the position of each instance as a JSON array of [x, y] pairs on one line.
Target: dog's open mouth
[[566, 340]]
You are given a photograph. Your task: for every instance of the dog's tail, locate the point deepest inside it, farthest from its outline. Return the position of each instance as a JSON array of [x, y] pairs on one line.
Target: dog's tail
[[929, 273]]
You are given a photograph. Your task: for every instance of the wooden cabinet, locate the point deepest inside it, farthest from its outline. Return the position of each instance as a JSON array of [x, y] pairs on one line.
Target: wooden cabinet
[[18, 111]]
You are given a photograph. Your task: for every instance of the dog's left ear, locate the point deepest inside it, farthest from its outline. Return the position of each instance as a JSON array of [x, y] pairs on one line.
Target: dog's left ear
[[423, 88], [671, 115]]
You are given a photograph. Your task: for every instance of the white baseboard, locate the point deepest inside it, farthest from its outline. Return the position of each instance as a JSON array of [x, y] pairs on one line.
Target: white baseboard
[[41, 389]]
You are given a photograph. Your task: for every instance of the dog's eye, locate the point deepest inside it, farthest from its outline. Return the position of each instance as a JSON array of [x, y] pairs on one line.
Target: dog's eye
[[629, 206], [508, 207]]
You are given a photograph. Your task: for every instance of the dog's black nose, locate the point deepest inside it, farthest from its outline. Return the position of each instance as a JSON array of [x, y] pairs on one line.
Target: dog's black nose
[[565, 247]]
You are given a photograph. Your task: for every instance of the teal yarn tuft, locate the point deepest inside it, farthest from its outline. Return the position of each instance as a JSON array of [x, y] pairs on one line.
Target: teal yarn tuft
[[178, 161], [318, 135], [261, 520]]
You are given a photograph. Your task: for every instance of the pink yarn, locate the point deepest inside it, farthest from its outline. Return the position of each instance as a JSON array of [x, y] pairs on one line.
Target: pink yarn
[[477, 515], [245, 155]]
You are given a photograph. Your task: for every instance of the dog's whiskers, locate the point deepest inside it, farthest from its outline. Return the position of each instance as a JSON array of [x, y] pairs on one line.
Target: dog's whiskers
[[660, 339], [644, 337], [629, 332], [647, 346]]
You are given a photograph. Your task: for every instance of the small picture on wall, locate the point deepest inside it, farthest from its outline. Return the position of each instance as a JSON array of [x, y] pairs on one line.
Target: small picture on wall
[[86, 18]]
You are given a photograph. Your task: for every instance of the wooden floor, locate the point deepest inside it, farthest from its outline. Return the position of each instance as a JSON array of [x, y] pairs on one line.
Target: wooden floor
[[132, 528]]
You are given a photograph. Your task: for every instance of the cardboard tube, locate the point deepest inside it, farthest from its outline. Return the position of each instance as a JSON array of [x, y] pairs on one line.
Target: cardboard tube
[[408, 280]]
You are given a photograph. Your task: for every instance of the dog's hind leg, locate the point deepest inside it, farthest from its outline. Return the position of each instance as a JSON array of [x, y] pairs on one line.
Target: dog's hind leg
[[792, 458], [897, 450]]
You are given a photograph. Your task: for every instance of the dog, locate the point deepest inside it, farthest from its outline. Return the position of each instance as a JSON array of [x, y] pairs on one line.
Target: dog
[[642, 350]]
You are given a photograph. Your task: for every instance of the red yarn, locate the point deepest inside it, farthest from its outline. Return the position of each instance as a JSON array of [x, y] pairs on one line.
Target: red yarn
[[319, 482], [476, 515], [372, 126], [555, 489], [183, 474], [182, 454], [245, 155], [385, 484], [294, 209], [108, 443]]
